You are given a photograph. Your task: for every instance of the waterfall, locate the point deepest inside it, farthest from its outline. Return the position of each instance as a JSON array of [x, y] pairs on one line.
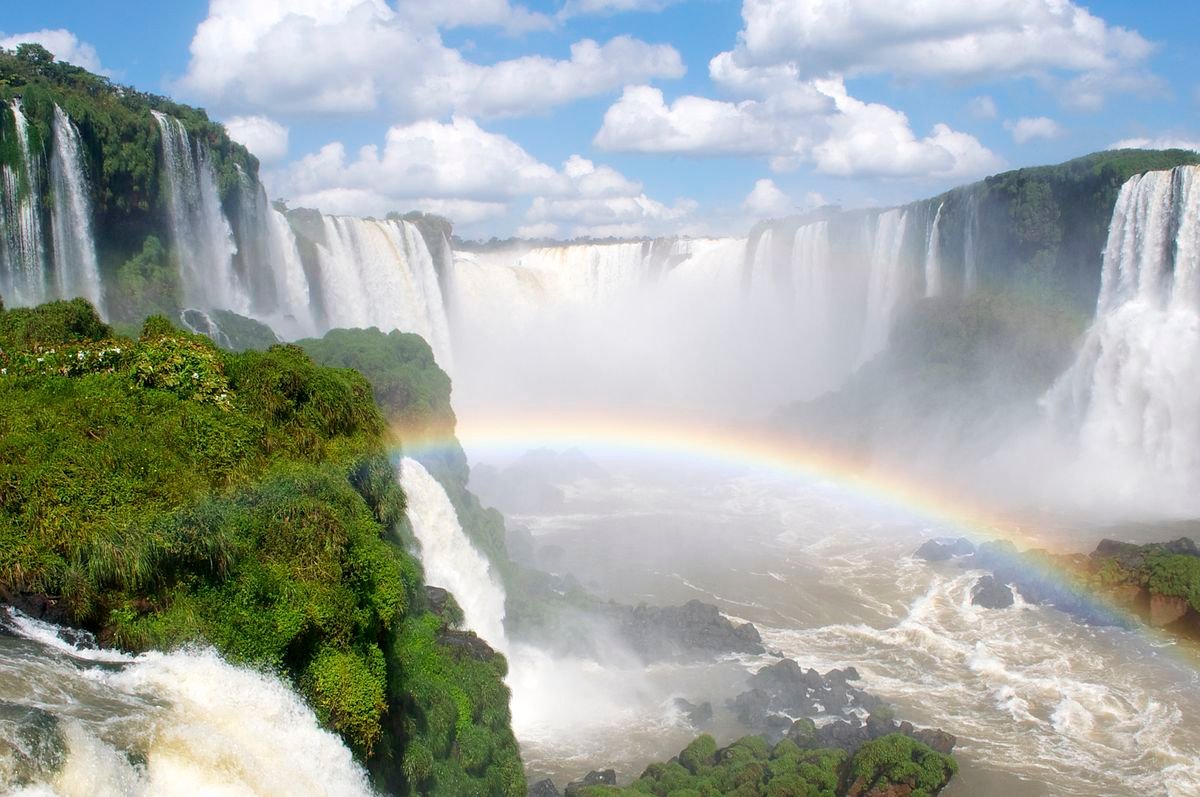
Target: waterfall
[[381, 274], [78, 721], [1133, 392], [933, 256], [761, 275], [22, 251], [811, 267], [970, 256], [201, 237], [76, 271], [449, 558], [886, 281]]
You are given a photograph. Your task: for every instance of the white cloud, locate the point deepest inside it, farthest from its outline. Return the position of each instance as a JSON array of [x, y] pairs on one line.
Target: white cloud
[[475, 13], [841, 135], [982, 107], [641, 121], [360, 55], [1028, 128], [469, 174], [765, 200], [874, 139], [943, 38], [1159, 142], [266, 139], [65, 45], [578, 8]]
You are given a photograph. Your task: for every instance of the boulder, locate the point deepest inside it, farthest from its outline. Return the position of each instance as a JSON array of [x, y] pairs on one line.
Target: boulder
[[599, 777], [544, 788], [939, 550], [990, 593], [697, 715]]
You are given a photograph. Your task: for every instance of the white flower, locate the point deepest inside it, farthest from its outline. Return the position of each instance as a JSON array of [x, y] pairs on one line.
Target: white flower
[[195, 375], [41, 359]]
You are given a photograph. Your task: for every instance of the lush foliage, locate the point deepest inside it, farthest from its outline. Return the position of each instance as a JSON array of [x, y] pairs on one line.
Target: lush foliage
[[161, 491], [752, 768], [1175, 576], [122, 153]]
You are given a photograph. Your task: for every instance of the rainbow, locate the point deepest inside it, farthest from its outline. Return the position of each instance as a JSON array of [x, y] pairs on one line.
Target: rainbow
[[762, 451]]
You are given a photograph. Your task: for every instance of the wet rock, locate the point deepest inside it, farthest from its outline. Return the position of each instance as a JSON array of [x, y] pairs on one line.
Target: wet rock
[[1165, 610], [990, 593], [939, 550], [752, 708], [466, 643], [544, 788], [602, 777], [671, 632], [697, 715]]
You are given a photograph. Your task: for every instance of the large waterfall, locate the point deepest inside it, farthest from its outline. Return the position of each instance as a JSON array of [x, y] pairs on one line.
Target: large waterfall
[[76, 271], [381, 274], [449, 558], [1133, 392], [201, 237], [23, 249]]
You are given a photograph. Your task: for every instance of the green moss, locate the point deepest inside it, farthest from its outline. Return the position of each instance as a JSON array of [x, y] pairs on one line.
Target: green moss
[[900, 759], [1175, 576]]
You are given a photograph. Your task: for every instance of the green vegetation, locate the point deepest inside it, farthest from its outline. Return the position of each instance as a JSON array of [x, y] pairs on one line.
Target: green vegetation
[[1058, 221], [122, 156], [752, 768], [1174, 576], [161, 491]]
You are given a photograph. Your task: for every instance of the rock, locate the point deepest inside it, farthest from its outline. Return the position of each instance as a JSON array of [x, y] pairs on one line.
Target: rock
[[697, 715], [602, 777], [671, 632], [466, 643], [544, 788], [991, 594], [936, 738], [751, 708], [1165, 610], [939, 550]]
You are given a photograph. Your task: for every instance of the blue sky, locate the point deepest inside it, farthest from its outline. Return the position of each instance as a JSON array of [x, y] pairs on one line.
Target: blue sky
[[630, 117]]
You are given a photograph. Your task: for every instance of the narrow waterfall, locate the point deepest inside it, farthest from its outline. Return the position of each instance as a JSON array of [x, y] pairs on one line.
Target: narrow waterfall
[[294, 317], [886, 282], [23, 249], [812, 265], [449, 558], [200, 234], [76, 271], [1133, 392], [381, 274], [761, 274], [933, 255], [970, 245]]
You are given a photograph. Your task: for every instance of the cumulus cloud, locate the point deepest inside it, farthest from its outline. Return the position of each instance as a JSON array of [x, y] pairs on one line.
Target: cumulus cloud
[[578, 8], [360, 55], [1159, 142], [765, 200], [642, 121], [815, 122], [475, 13], [1028, 128], [263, 136], [984, 39], [65, 45], [469, 174], [982, 107]]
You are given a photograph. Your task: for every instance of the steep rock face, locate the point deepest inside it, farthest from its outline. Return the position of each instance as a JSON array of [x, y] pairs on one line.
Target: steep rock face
[[1165, 610]]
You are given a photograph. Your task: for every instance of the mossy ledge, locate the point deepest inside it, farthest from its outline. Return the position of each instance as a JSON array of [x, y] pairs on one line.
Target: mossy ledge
[[161, 492]]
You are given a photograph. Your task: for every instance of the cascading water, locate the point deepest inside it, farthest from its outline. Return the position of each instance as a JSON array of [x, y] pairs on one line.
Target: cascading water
[[933, 256], [22, 250], [1133, 392], [76, 271], [79, 721], [381, 274], [886, 283], [970, 255], [449, 558], [200, 234]]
